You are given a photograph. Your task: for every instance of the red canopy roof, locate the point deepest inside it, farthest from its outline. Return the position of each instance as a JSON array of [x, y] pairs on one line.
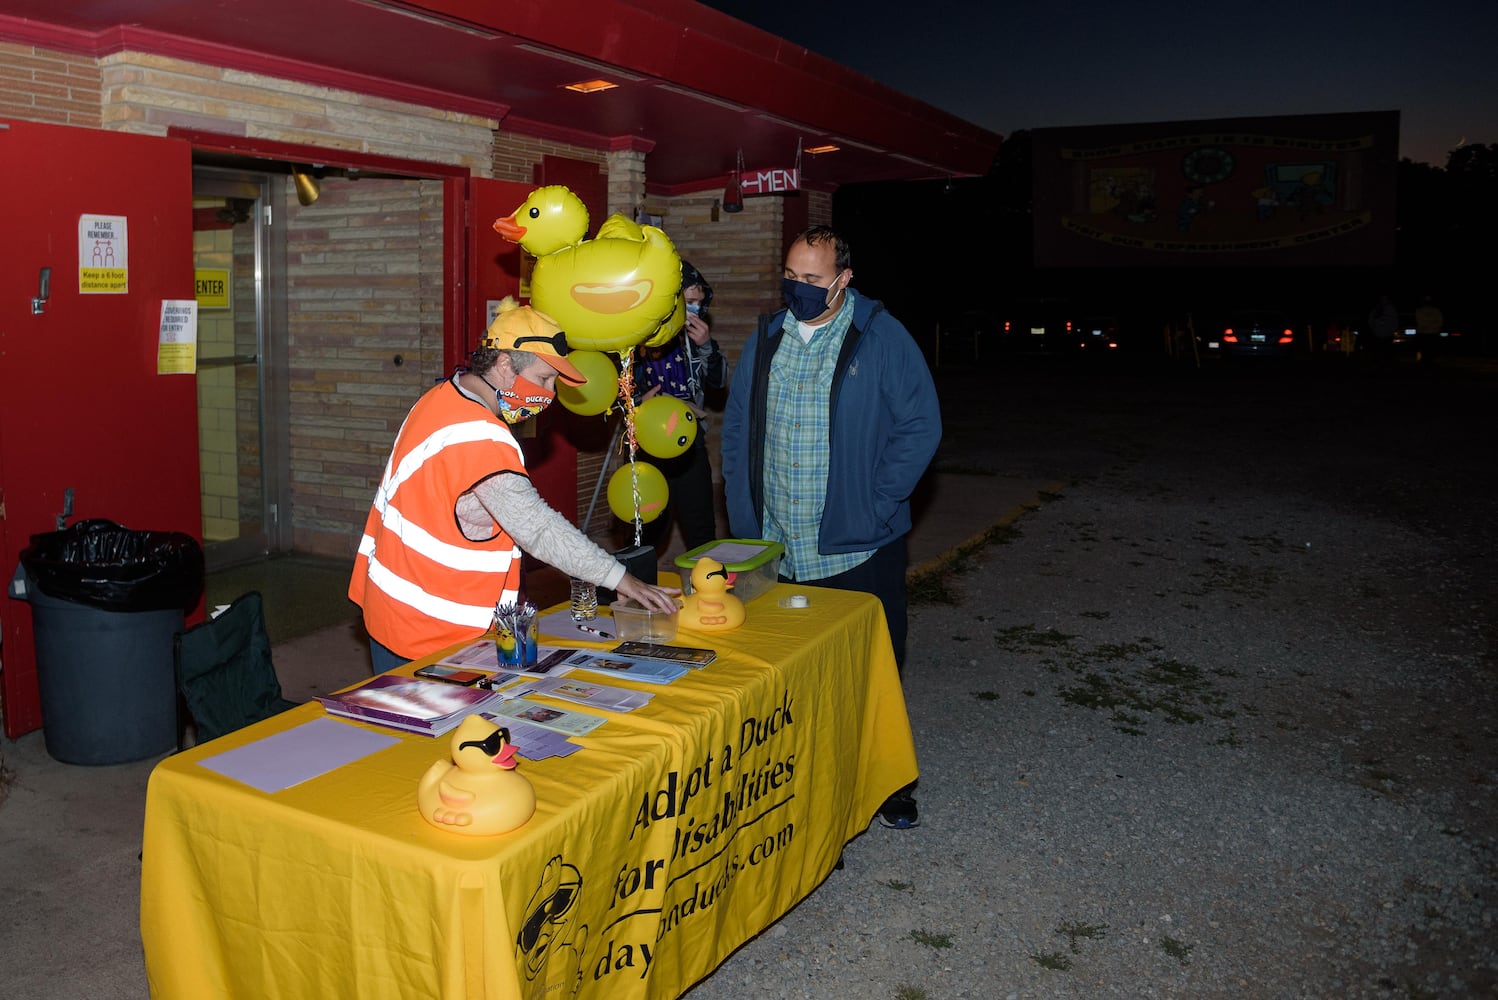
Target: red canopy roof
[[695, 86]]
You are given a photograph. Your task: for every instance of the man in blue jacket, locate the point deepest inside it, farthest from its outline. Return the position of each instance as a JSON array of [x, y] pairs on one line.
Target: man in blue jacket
[[831, 420]]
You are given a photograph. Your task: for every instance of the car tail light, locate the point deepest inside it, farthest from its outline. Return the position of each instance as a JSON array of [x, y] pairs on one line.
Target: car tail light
[[1229, 336], [1006, 326], [1286, 337]]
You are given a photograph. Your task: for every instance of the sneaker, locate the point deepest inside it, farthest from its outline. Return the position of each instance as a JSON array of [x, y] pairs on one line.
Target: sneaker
[[899, 812]]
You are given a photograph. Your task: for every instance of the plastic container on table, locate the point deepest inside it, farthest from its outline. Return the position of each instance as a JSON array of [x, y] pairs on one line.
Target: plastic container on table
[[632, 621], [754, 561]]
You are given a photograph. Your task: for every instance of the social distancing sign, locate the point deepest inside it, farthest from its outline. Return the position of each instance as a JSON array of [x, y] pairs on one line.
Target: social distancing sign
[[103, 255]]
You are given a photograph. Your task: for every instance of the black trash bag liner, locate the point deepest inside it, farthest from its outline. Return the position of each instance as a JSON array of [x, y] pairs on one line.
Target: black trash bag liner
[[104, 565]]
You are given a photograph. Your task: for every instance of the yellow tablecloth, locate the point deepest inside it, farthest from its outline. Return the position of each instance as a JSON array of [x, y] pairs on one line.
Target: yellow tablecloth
[[683, 829]]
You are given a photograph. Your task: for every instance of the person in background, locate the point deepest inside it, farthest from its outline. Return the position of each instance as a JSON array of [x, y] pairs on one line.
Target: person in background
[[686, 367], [831, 420], [442, 543], [1429, 325], [1383, 324]]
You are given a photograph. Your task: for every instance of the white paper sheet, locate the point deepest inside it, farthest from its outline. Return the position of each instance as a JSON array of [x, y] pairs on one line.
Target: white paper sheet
[[296, 755]]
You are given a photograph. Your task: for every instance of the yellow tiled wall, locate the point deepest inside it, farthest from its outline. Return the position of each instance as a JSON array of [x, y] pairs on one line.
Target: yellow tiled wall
[[217, 451]]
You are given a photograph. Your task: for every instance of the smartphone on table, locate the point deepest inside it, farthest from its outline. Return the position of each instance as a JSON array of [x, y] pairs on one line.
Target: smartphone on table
[[450, 675]]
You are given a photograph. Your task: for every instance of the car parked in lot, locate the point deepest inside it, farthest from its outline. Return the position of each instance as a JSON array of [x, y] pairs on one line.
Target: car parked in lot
[[1099, 334], [1249, 333], [1037, 326]]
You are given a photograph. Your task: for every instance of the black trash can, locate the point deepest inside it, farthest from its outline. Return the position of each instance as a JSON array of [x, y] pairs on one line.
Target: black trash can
[[106, 603]]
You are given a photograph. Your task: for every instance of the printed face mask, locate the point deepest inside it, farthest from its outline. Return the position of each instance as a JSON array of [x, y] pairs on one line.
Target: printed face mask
[[523, 400], [694, 308], [805, 301]]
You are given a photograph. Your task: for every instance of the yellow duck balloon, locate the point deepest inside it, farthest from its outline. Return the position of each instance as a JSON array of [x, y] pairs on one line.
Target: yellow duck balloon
[[478, 792], [710, 607], [609, 293]]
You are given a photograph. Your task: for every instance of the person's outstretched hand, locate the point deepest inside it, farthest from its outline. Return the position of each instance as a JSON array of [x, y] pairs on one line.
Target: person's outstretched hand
[[648, 595]]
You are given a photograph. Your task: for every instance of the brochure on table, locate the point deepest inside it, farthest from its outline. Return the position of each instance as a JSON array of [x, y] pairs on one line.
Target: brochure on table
[[410, 703], [695, 657], [583, 692], [649, 671]]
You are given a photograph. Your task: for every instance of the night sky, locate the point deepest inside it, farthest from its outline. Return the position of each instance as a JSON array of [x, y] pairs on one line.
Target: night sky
[[1026, 64]]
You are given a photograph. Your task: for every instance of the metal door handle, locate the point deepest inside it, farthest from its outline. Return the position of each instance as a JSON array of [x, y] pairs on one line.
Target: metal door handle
[[44, 292]]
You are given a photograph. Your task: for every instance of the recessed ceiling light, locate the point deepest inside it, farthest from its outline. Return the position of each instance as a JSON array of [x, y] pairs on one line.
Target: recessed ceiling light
[[826, 148], [590, 86]]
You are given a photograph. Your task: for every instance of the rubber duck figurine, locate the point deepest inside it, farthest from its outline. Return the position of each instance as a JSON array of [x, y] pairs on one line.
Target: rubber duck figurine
[[608, 293], [710, 607], [478, 792]]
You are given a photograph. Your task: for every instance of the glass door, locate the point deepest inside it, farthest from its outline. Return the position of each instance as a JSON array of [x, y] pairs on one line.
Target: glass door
[[241, 459]]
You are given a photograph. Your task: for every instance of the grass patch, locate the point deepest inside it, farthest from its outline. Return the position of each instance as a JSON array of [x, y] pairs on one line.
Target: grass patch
[[1178, 950], [933, 584], [898, 886], [910, 993], [1053, 960], [931, 588], [1027, 638], [1074, 930], [931, 940]]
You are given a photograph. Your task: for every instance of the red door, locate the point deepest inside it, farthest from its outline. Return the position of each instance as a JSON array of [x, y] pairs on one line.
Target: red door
[[81, 403]]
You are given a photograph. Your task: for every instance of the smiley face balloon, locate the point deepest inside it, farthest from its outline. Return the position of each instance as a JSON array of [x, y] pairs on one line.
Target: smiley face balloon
[[665, 426], [653, 492]]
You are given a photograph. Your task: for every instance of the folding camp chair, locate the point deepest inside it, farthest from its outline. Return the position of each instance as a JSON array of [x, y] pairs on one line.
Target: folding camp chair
[[224, 671]]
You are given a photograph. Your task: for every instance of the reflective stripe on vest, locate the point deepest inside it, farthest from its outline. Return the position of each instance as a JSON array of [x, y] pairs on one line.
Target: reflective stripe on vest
[[421, 583]]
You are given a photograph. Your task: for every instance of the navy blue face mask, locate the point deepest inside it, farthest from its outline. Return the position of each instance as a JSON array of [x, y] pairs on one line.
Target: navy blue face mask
[[804, 301]]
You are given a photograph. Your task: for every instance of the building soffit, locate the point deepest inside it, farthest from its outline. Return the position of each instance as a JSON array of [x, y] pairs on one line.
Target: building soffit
[[693, 86]]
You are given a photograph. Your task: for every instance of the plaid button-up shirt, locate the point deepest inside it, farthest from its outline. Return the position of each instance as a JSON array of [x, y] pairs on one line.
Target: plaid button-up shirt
[[797, 431]]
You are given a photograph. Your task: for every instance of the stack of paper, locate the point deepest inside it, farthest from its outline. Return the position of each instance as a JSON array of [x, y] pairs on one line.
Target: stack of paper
[[533, 742], [558, 720], [602, 696], [409, 703]]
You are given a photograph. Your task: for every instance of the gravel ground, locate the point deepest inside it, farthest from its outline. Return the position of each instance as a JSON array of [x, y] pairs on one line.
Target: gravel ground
[[1218, 720]]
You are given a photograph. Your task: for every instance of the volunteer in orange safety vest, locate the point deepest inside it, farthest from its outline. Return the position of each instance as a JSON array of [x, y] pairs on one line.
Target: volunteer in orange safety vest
[[443, 540]]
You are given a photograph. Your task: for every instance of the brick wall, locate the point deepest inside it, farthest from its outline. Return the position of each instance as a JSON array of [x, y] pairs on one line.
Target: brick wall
[[363, 279], [149, 94], [218, 449], [516, 156], [40, 85]]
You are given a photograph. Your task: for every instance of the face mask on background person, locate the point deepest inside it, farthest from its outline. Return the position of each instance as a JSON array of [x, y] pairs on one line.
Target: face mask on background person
[[523, 400], [806, 301], [694, 308]]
